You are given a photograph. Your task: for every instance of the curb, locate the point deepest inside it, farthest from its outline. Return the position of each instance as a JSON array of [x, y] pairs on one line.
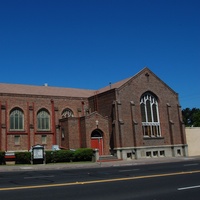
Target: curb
[[99, 164]]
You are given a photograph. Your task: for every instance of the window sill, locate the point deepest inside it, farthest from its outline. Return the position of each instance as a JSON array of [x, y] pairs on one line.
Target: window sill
[[17, 132], [152, 138], [43, 132]]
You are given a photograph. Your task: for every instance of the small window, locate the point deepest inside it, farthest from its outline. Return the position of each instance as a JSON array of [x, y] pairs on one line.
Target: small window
[[129, 155], [162, 153], [67, 113], [16, 120], [178, 152], [44, 139], [17, 140], [155, 153], [63, 133], [148, 154], [43, 120]]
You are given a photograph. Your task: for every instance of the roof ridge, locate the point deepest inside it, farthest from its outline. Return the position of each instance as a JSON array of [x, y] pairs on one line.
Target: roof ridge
[[114, 85], [7, 88], [47, 86]]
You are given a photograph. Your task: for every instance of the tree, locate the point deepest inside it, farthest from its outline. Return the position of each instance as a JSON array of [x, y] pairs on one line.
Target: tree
[[196, 119], [191, 117]]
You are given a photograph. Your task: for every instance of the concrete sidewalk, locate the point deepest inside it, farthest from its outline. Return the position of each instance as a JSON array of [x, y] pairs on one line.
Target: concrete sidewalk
[[57, 166]]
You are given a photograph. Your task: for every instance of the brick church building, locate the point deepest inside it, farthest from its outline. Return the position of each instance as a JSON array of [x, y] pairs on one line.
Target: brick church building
[[135, 118]]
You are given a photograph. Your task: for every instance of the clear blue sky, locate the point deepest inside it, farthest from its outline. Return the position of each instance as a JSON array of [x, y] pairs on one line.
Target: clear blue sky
[[89, 43]]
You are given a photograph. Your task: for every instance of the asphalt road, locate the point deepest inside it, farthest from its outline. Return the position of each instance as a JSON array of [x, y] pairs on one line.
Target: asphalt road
[[166, 181]]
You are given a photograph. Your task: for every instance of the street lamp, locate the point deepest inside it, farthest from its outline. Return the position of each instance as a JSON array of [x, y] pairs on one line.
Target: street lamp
[[97, 123]]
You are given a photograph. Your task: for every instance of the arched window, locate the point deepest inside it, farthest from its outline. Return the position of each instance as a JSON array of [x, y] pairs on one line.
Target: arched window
[[96, 134], [150, 115], [16, 119], [67, 113], [43, 120]]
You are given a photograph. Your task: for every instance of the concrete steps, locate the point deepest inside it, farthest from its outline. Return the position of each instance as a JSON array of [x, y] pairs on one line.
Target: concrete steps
[[107, 158]]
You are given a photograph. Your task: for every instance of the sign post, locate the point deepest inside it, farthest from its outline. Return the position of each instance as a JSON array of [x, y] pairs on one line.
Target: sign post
[[38, 155]]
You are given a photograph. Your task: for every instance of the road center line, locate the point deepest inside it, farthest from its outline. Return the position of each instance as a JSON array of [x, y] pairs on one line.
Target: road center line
[[32, 177], [129, 170], [187, 165], [188, 188], [98, 181]]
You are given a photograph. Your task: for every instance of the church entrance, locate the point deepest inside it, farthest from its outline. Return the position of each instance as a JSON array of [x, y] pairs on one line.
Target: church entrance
[[97, 141]]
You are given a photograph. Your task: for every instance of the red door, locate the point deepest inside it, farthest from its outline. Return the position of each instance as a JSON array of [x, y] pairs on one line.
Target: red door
[[97, 143]]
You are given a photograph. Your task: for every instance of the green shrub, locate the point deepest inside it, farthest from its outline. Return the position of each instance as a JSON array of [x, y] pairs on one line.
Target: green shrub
[[62, 156], [49, 156], [2, 157], [83, 154], [22, 157]]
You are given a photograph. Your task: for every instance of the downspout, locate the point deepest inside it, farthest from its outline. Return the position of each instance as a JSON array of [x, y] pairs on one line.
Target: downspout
[[120, 123], [0, 127], [6, 145], [53, 121], [60, 133], [34, 123], [79, 127], [28, 124], [118, 103], [182, 130], [83, 111], [134, 123], [170, 124], [181, 124]]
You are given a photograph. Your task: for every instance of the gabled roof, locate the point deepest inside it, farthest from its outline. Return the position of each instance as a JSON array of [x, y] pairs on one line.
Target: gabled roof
[[44, 90], [53, 91], [122, 83], [114, 85], [66, 92], [146, 70]]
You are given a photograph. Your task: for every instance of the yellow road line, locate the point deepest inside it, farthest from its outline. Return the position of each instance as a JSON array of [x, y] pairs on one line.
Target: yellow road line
[[98, 181]]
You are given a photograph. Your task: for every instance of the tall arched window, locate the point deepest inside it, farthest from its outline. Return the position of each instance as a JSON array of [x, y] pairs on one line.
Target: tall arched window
[[67, 113], [150, 115], [16, 119], [43, 120]]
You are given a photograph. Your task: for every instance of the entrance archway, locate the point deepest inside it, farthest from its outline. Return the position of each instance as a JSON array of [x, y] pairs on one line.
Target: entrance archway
[[97, 140]]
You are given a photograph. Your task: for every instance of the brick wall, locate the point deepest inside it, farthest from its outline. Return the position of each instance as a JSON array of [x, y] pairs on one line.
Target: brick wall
[[30, 105], [117, 111], [127, 129]]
